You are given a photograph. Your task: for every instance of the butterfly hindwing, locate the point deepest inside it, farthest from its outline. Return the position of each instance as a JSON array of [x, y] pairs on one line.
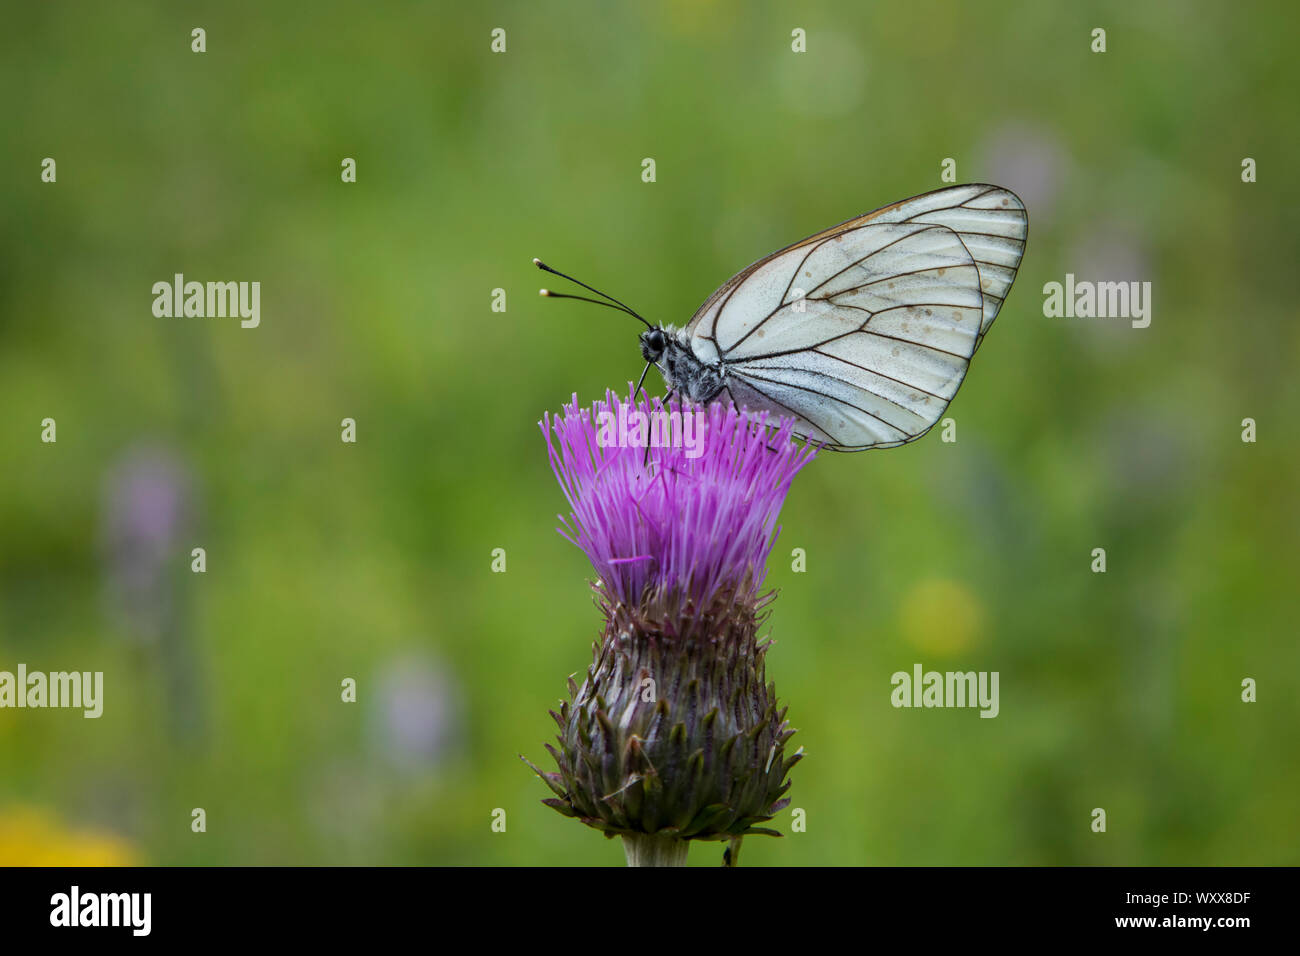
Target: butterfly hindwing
[[992, 224]]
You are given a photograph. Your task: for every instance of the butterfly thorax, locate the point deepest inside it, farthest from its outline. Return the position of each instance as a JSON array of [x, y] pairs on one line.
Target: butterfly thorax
[[670, 350]]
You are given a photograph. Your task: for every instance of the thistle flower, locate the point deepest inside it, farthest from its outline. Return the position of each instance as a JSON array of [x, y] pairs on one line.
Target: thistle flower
[[674, 734]]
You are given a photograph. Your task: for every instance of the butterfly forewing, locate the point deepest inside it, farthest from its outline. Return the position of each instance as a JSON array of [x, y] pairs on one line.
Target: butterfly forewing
[[864, 332]]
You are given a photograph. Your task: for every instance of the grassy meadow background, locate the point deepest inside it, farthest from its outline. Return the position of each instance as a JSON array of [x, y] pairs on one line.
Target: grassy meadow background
[[372, 560]]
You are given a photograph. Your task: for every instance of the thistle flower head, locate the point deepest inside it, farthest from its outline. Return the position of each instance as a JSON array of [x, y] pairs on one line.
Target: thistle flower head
[[674, 734], [693, 518]]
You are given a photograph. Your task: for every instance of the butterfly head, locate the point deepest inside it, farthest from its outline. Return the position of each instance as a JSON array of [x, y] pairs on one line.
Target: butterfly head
[[653, 343]]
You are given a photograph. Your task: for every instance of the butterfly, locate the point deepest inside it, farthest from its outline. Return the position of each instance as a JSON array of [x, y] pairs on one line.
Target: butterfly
[[863, 332]]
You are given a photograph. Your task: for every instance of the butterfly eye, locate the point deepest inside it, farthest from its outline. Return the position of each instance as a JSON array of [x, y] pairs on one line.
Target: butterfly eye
[[653, 344]]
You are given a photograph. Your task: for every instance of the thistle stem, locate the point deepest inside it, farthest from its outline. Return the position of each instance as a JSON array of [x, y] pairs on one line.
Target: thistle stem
[[647, 849]]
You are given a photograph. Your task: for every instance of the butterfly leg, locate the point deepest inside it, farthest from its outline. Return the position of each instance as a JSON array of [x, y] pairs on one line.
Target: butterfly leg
[[641, 382], [645, 462]]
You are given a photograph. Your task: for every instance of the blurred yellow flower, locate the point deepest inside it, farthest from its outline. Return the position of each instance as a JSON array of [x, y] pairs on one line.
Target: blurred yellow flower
[[941, 617], [701, 18], [32, 836]]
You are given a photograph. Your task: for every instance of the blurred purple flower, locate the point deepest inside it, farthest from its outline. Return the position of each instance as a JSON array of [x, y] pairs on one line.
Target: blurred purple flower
[[1109, 250], [1028, 160], [147, 506], [417, 711], [148, 510]]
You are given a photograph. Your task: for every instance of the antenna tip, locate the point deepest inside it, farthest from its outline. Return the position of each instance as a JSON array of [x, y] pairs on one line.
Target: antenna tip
[[543, 292], [537, 262]]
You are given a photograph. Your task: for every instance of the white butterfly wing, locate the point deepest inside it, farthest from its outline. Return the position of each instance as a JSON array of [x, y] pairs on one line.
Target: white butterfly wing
[[873, 350], [865, 331]]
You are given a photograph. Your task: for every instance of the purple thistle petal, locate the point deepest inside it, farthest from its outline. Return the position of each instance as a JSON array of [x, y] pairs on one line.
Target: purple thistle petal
[[697, 518]]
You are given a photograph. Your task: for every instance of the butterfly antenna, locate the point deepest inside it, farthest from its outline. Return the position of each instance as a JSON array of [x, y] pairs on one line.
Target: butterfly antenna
[[613, 303]]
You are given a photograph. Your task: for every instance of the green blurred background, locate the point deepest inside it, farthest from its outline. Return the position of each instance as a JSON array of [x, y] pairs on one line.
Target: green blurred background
[[372, 560]]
